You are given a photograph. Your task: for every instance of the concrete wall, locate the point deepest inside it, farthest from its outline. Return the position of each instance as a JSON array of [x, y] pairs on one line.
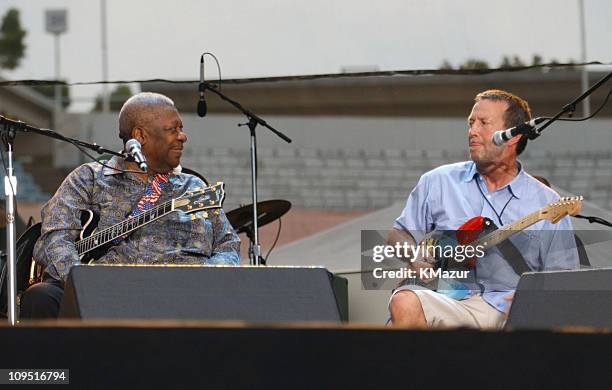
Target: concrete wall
[[334, 133], [357, 164]]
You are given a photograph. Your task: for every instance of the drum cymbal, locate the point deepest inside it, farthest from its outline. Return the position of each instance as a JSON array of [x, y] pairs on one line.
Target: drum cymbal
[[267, 211]]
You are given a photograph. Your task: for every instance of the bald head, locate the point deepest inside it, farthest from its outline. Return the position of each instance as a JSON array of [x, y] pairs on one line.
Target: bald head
[[140, 110]]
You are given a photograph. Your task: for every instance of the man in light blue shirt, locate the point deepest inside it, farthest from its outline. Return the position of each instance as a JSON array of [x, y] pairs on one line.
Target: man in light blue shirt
[[493, 185]]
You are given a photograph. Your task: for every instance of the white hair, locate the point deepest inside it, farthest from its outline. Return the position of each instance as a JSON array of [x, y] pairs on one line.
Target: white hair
[[137, 110]]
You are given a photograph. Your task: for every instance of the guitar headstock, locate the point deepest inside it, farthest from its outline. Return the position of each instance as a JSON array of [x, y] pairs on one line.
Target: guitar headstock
[[556, 210], [201, 199]]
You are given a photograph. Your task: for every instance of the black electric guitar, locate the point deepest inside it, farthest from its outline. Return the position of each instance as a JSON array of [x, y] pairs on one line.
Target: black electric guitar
[[93, 243]]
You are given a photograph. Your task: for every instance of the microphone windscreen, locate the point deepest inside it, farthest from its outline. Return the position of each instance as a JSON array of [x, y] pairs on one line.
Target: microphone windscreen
[[201, 108], [131, 144], [498, 138]]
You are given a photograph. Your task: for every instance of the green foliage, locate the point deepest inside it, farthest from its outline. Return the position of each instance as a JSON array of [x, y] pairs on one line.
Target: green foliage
[[446, 65], [474, 63], [119, 95], [470, 63], [517, 62], [514, 62], [507, 62], [12, 47], [537, 60]]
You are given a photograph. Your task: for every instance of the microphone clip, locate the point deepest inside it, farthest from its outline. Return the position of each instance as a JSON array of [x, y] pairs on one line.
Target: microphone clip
[[532, 132]]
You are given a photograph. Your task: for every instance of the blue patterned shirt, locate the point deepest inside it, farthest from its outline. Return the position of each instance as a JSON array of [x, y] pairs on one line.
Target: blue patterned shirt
[[177, 238]]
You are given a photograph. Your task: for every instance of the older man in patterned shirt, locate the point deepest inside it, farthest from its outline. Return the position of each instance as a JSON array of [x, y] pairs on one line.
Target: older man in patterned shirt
[[118, 190]]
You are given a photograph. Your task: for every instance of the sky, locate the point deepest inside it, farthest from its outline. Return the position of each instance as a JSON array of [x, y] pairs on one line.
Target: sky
[[164, 39]]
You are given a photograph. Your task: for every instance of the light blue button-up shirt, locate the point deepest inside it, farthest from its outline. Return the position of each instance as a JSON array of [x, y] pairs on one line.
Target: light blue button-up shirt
[[448, 196]]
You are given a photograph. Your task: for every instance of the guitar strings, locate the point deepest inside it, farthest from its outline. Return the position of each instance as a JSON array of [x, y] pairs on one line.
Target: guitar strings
[[90, 239], [88, 243]]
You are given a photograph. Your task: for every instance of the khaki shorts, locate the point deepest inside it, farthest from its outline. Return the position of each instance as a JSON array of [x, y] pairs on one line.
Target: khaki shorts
[[443, 311]]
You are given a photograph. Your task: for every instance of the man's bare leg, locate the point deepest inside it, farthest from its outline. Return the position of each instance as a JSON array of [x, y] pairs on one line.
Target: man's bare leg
[[406, 310]]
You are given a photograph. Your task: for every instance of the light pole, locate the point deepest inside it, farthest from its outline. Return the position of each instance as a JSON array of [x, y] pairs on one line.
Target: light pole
[[56, 23], [586, 103], [105, 97]]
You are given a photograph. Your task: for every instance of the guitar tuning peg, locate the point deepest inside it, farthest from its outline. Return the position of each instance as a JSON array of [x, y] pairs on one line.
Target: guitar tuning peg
[[216, 212], [205, 214]]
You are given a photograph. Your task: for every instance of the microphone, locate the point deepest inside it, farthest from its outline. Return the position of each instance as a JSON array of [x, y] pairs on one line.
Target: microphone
[[134, 149], [202, 101], [502, 136]]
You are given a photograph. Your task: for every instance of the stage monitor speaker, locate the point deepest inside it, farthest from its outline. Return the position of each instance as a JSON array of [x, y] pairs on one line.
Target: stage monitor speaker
[[563, 298], [274, 294]]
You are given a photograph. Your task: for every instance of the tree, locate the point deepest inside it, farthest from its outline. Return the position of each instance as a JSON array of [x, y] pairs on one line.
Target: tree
[[12, 47], [514, 62], [446, 65], [474, 63], [119, 95], [537, 60], [506, 63], [517, 62]]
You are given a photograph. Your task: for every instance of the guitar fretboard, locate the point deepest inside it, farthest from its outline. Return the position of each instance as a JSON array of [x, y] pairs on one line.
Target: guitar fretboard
[[502, 233], [124, 227]]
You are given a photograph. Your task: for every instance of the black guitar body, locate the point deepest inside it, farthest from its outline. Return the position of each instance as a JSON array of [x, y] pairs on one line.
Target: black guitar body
[[27, 271], [89, 221], [94, 244]]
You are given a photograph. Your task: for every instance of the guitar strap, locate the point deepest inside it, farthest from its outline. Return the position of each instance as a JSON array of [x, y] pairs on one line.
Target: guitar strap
[[508, 250]]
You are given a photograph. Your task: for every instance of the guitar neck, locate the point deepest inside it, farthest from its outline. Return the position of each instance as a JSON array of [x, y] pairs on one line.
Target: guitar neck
[[124, 227], [504, 232]]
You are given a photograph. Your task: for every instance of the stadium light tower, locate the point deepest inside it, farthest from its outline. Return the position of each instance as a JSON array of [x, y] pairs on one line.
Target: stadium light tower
[[56, 23], [586, 103], [104, 42]]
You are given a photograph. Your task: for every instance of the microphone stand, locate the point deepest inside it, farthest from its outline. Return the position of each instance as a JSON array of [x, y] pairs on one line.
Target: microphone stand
[[8, 131], [534, 133], [23, 127], [598, 220], [569, 108], [10, 191], [253, 121]]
